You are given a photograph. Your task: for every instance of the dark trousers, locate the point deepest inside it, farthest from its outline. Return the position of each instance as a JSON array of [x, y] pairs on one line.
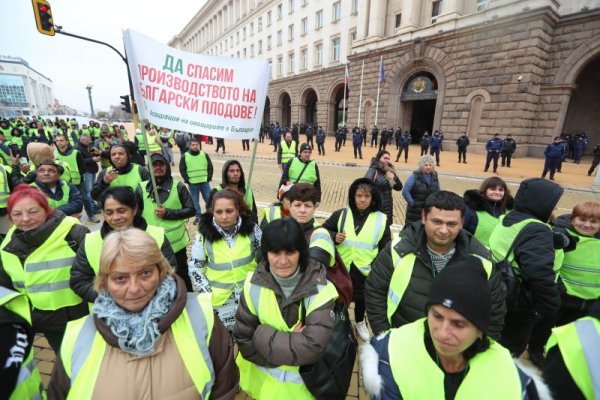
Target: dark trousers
[[382, 145], [364, 137], [54, 340], [321, 148], [358, 293], [551, 164], [403, 148], [373, 140], [435, 152], [516, 332], [338, 144], [506, 157], [245, 144], [344, 139], [358, 148], [424, 150], [595, 163], [220, 143], [182, 268], [309, 140], [462, 153], [275, 145], [491, 155]]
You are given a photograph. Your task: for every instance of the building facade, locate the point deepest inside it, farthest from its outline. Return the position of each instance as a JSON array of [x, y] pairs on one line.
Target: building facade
[[23, 90], [530, 68]]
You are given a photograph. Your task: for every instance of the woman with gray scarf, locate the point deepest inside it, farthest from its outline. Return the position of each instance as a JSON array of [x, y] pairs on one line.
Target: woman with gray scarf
[[226, 248], [146, 337]]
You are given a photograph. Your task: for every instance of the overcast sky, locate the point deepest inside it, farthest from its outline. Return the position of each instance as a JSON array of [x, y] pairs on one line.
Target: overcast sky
[[71, 63]]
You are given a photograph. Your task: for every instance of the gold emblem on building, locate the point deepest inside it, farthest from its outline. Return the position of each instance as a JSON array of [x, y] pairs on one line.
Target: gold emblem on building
[[419, 85]]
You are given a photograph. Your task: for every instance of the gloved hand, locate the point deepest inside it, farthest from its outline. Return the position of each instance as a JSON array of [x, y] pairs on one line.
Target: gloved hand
[[565, 241]]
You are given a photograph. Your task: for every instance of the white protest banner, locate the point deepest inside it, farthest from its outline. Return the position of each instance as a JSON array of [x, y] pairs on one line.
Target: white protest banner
[[214, 96]]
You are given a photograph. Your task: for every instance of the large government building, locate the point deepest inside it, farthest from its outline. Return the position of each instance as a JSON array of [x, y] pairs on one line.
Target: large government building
[[530, 68]]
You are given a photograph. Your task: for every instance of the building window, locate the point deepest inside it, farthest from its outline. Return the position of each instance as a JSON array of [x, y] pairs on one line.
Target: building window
[[304, 26], [259, 25], [319, 54], [336, 12], [251, 50], [279, 11], [271, 66], [436, 10], [269, 18], [279, 66], [291, 6], [304, 2], [260, 47], [335, 50], [304, 59], [244, 52], [291, 62], [290, 33], [237, 38], [238, 54], [352, 36], [279, 37], [398, 20], [319, 19], [269, 42], [251, 28], [244, 33], [483, 5], [354, 6]]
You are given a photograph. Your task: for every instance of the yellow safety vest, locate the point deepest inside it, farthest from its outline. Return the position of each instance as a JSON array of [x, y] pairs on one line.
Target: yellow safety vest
[[321, 239], [174, 228], [283, 382], [131, 179], [503, 236], [83, 348], [4, 189], [403, 268], [361, 249], [44, 276], [486, 223], [152, 145], [579, 342], [308, 176], [228, 267], [580, 270], [287, 152], [272, 213], [66, 193], [71, 160], [197, 167], [29, 381], [492, 374], [94, 241]]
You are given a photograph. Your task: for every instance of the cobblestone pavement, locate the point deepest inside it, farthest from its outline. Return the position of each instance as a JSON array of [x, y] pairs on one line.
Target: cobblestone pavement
[[339, 170]]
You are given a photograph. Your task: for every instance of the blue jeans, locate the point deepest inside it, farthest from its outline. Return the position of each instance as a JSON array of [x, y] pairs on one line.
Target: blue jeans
[[195, 190], [85, 188]]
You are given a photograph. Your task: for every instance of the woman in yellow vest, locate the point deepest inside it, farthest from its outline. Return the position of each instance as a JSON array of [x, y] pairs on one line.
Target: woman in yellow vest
[[146, 337], [226, 249], [447, 355], [120, 212], [273, 337], [36, 257], [485, 207]]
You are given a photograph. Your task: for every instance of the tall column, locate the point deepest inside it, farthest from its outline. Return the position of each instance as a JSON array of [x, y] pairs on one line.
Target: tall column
[[411, 16], [451, 9], [377, 11], [363, 24]]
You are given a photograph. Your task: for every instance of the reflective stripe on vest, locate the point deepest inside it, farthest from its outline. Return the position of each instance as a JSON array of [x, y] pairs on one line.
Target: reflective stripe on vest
[[228, 267], [308, 176], [272, 213], [486, 223], [71, 160], [503, 236], [580, 270], [492, 374], [320, 238], [66, 193], [361, 249], [283, 382], [44, 278], [131, 179], [4, 189], [94, 241], [579, 344], [287, 152], [174, 228], [403, 268], [197, 167], [83, 348], [152, 145]]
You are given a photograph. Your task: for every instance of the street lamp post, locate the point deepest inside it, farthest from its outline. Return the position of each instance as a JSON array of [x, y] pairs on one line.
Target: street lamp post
[[89, 89]]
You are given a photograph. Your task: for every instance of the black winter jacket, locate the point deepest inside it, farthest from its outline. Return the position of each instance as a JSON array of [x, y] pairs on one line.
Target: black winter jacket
[[376, 173], [89, 165], [100, 186], [419, 193], [412, 305]]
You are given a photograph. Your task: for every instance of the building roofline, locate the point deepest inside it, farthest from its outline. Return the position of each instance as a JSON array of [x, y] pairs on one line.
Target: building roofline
[[26, 65]]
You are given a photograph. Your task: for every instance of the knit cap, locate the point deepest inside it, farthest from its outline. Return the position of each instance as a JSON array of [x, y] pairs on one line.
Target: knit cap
[[464, 288], [305, 146]]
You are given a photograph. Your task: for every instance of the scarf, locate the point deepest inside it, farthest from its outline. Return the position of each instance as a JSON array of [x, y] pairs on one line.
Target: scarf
[[229, 233], [137, 333]]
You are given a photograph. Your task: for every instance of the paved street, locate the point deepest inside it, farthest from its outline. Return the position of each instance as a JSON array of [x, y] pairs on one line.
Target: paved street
[[336, 178]]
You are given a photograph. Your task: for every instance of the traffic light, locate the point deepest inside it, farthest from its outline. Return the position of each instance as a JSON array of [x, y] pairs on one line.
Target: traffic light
[[43, 17], [125, 103]]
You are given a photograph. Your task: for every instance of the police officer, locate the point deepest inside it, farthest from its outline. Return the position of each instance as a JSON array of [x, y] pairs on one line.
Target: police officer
[[461, 144], [493, 147], [435, 145], [554, 153], [509, 145], [404, 142]]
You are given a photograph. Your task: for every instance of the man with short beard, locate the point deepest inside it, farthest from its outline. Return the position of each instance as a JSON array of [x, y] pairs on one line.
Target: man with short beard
[[122, 173]]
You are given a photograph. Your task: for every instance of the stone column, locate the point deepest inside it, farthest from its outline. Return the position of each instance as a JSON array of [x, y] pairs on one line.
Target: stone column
[[410, 16], [451, 9], [363, 24], [377, 11]]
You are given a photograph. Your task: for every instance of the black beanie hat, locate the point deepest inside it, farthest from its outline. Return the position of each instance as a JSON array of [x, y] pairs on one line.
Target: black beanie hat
[[464, 288]]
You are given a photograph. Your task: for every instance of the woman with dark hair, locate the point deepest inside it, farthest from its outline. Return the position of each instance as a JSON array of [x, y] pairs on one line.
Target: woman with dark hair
[[383, 174], [119, 206], [485, 207], [226, 249], [448, 354], [419, 185], [284, 319], [36, 257]]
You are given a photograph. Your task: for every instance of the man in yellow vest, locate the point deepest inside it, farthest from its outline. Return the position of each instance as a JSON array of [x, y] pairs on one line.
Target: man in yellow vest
[[176, 207], [196, 170], [302, 169], [401, 276], [103, 144], [288, 149], [122, 173], [61, 195]]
